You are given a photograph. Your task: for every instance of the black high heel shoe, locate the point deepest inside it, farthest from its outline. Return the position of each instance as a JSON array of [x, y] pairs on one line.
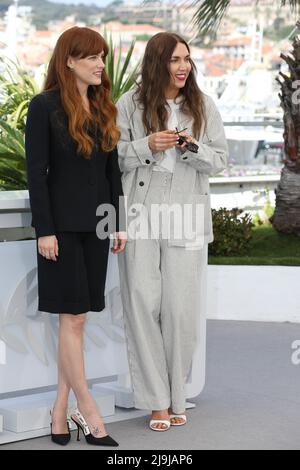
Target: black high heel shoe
[[90, 439], [61, 439]]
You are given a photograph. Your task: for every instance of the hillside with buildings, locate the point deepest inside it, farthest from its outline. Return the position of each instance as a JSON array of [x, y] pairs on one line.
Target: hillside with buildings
[[243, 43], [238, 68]]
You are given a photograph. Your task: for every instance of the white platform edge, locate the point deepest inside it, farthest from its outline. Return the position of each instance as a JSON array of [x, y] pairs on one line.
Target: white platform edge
[[2, 353], [120, 415], [13, 409], [261, 293]]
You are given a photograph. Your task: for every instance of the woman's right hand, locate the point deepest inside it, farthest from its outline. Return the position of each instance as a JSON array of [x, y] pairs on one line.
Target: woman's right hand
[[161, 141], [48, 247]]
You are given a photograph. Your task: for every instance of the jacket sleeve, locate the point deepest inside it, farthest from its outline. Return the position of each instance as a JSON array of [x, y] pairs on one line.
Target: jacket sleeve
[[37, 147], [116, 191], [212, 156], [132, 153]]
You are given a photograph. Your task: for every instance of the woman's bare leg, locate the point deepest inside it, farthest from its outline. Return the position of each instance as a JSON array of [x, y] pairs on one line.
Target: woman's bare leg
[[73, 371], [60, 408]]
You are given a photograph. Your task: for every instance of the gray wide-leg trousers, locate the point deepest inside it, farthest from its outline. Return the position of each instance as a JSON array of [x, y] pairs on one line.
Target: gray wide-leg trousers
[[160, 288]]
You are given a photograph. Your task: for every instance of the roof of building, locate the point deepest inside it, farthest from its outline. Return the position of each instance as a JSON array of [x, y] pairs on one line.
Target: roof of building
[[117, 26]]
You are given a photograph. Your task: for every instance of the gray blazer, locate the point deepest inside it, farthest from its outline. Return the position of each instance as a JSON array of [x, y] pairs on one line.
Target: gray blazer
[[190, 183]]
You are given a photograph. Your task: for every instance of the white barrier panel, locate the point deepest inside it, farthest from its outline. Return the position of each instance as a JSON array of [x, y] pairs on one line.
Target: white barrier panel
[[2, 352], [32, 412], [30, 337], [254, 293]]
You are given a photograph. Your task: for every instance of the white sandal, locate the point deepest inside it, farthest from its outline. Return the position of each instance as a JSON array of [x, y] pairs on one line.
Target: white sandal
[[159, 421], [183, 417]]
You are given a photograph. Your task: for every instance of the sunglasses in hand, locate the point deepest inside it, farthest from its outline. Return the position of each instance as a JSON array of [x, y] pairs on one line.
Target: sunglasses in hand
[[189, 145]]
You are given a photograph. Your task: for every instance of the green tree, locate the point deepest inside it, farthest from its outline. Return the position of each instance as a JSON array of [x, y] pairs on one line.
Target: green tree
[[16, 90]]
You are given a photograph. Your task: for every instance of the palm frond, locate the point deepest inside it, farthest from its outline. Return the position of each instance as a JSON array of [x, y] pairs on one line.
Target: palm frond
[[110, 60], [294, 4], [121, 80], [16, 88], [208, 16], [8, 172], [14, 139], [121, 75]]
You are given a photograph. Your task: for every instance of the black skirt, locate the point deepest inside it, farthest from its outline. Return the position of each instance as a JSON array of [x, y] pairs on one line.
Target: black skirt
[[74, 283]]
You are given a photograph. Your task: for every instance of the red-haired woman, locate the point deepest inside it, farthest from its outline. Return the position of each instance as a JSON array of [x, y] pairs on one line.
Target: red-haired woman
[[72, 164]]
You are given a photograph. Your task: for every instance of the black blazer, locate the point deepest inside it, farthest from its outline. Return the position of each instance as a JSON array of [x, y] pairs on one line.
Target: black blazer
[[64, 188]]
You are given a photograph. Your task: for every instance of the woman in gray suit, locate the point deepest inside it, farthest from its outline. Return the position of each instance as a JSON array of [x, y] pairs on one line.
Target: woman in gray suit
[[165, 179]]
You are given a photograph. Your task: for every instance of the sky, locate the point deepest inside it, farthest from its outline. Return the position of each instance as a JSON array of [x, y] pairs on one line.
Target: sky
[[99, 3]]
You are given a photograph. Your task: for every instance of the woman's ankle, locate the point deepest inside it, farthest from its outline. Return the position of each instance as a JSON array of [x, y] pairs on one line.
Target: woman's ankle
[[87, 406], [160, 412], [60, 408]]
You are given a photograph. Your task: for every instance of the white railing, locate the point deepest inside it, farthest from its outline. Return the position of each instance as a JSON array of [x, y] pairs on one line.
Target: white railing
[[226, 191]]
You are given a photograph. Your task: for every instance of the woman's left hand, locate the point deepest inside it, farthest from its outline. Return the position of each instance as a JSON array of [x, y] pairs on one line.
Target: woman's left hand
[[189, 138], [119, 244]]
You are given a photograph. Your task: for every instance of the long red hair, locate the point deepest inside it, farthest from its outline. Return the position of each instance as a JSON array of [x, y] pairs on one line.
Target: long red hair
[[80, 43]]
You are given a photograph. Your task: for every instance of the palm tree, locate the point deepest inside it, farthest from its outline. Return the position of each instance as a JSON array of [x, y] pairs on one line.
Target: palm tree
[[209, 13], [286, 217]]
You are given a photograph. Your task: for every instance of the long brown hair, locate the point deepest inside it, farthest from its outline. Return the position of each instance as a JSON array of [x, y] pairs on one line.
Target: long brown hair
[[80, 43], [154, 80]]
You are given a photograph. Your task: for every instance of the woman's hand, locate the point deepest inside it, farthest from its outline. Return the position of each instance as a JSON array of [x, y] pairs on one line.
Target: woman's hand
[[189, 138], [161, 141], [48, 247], [119, 244]]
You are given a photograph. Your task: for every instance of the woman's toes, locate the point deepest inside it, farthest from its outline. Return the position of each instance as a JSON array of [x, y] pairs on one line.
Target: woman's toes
[[177, 420], [159, 426]]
